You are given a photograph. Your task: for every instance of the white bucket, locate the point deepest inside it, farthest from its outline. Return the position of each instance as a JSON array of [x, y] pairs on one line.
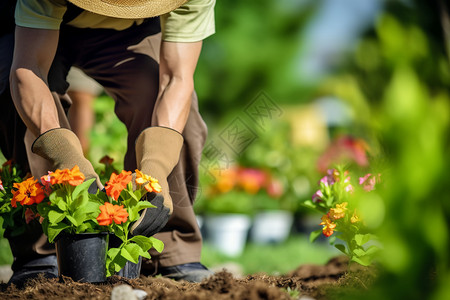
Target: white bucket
[[228, 232], [271, 226]]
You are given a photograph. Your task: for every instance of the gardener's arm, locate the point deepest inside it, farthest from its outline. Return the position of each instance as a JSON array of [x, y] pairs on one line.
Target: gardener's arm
[[177, 66], [33, 55]]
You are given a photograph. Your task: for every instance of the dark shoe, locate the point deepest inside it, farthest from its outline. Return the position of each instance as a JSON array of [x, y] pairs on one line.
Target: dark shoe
[[48, 266], [192, 272]]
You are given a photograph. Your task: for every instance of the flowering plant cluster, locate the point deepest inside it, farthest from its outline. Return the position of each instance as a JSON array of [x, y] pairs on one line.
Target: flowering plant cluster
[[61, 202], [12, 215], [231, 191], [337, 199]]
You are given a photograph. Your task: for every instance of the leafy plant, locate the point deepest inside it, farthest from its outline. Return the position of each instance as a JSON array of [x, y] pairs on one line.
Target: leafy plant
[[63, 205], [337, 198], [119, 194]]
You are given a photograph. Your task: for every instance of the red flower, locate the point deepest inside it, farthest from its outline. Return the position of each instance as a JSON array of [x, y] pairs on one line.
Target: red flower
[[117, 183], [106, 160], [110, 213]]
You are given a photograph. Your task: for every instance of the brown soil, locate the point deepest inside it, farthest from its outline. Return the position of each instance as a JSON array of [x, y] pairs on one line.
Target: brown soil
[[318, 282]]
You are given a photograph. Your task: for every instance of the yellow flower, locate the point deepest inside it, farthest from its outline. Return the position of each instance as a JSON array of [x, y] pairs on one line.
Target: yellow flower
[[354, 217], [339, 211], [151, 184]]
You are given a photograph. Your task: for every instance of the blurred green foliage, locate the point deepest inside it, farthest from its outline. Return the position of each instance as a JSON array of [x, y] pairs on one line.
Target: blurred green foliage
[[399, 75], [253, 50]]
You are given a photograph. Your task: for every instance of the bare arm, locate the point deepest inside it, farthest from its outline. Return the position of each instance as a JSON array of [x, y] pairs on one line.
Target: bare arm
[[177, 65], [33, 55]]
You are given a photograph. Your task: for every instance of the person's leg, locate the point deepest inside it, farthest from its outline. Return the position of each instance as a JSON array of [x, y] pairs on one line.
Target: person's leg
[[32, 253], [82, 91], [127, 67]]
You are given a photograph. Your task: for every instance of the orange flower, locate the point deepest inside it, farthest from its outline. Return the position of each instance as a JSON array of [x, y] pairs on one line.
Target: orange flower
[[27, 192], [110, 213], [328, 225], [226, 179], [73, 177], [339, 211], [117, 183], [151, 184]]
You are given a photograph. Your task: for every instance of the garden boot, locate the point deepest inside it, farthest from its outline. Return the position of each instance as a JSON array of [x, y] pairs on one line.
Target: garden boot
[[191, 272], [157, 153], [62, 148], [45, 265]]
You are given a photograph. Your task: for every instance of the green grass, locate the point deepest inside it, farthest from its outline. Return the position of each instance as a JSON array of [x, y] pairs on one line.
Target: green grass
[[273, 259]]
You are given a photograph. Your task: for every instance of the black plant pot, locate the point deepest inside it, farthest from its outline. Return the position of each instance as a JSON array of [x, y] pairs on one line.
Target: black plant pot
[[130, 270], [82, 257]]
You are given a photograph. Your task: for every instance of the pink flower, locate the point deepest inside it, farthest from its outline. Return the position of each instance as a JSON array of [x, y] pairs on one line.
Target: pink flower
[[368, 181], [317, 197], [344, 149], [251, 180], [327, 180], [275, 188]]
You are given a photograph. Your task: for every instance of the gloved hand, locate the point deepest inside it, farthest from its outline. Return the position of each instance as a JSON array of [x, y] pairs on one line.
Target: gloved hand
[[62, 148], [157, 153]]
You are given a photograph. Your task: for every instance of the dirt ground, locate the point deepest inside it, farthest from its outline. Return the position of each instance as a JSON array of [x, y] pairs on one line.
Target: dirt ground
[[306, 282]]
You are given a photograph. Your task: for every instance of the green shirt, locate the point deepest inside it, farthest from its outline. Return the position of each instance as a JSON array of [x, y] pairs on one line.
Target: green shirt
[[191, 22]]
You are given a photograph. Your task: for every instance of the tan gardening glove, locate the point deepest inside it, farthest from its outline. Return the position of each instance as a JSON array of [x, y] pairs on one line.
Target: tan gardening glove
[[62, 148], [157, 153]]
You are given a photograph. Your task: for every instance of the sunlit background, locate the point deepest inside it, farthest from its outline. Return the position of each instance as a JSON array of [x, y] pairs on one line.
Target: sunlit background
[[290, 88]]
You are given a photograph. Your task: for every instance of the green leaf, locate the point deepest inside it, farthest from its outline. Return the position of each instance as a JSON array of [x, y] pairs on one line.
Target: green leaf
[[113, 252], [82, 188], [361, 239], [82, 228], [131, 252], [341, 248], [62, 205], [133, 211], [72, 220], [55, 217], [364, 260], [54, 230], [80, 202], [145, 243], [315, 235], [359, 252], [372, 250], [157, 244]]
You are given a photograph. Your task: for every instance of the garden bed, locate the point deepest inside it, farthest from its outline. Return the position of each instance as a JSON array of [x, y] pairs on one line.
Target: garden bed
[[315, 281]]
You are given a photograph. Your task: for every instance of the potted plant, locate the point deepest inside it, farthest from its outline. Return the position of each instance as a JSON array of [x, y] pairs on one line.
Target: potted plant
[[273, 216], [226, 211], [80, 223]]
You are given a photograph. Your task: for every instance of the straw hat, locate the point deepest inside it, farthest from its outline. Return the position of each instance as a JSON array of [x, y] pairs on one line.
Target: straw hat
[[129, 9]]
